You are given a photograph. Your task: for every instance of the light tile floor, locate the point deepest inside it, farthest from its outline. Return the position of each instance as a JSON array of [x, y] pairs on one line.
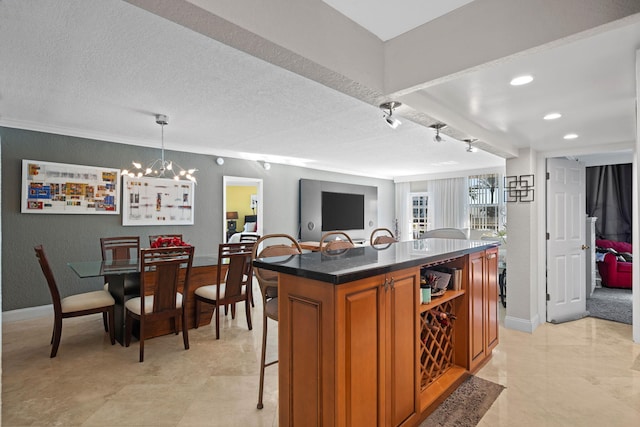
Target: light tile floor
[[583, 373]]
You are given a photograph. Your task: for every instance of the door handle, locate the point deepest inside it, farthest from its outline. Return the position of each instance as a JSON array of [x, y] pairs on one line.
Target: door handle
[[585, 247]]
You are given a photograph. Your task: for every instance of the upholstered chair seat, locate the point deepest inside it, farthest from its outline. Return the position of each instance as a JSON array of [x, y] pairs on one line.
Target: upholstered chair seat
[[86, 301], [210, 291], [133, 304]]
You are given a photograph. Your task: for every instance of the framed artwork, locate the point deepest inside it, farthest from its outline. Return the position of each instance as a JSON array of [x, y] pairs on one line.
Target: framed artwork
[[157, 201], [60, 188]]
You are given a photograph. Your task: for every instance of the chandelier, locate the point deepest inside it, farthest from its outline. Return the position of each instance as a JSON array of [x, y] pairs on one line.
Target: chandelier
[[161, 168]]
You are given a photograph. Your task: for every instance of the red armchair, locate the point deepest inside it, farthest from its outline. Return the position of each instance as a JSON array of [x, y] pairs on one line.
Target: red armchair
[[614, 272]]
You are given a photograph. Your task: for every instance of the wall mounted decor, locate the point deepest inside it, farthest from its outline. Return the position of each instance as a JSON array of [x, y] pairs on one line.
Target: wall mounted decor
[[518, 188], [157, 201], [60, 188]]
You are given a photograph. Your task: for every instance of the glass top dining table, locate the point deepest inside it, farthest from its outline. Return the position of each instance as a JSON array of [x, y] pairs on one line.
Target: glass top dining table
[[123, 277], [85, 269]]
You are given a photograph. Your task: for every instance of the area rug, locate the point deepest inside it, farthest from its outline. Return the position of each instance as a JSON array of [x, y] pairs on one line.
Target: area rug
[[466, 406], [611, 304]]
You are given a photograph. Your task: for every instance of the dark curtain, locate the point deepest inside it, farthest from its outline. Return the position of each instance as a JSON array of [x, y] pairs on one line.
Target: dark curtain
[[609, 199]]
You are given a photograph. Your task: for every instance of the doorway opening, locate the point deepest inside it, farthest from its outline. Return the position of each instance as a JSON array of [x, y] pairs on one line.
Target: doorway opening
[[241, 206]]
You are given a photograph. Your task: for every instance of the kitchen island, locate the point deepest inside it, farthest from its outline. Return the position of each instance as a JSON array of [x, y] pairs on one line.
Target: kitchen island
[[357, 348]]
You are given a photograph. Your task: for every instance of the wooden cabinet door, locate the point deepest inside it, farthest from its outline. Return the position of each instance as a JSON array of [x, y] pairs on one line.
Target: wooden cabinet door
[[402, 337], [477, 311], [377, 371], [491, 289], [361, 346]]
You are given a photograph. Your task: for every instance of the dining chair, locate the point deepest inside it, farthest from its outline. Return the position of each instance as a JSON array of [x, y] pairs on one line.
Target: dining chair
[[229, 288], [381, 236], [73, 305], [154, 237], [160, 298], [447, 233], [118, 249], [268, 281], [333, 240]]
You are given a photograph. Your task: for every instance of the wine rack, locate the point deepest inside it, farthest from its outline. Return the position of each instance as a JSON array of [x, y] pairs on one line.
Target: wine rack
[[436, 344]]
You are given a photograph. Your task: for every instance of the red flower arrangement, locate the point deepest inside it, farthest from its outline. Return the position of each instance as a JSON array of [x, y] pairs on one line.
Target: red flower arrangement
[[167, 242]]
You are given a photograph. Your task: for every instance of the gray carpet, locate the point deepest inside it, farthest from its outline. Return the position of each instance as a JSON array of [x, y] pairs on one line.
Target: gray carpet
[[611, 304], [466, 406]]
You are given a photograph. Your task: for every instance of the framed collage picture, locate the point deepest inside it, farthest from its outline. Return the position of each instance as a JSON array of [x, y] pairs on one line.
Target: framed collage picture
[[60, 188], [157, 201]]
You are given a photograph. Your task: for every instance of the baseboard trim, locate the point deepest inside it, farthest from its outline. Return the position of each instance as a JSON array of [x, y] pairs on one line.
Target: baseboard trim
[[522, 325], [27, 313]]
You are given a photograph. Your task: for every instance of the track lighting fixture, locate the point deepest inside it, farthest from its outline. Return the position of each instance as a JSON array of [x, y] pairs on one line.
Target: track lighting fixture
[[388, 115], [437, 127], [266, 165], [220, 161], [470, 149]]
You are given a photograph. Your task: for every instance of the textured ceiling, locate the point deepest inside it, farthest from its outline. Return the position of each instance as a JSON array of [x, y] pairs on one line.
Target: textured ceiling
[[103, 69]]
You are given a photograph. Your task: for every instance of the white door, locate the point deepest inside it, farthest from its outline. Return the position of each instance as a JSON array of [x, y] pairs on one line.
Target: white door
[[566, 261]]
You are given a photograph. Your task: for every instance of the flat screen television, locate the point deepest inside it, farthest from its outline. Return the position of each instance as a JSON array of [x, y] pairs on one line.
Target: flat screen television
[[328, 206], [342, 211]]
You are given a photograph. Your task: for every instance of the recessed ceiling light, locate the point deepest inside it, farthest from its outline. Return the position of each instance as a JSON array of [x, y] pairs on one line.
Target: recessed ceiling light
[[571, 136], [521, 80], [552, 116]]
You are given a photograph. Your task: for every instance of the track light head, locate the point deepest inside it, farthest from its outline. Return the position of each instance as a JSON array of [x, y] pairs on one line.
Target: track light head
[[437, 127], [391, 121], [388, 114], [470, 149]]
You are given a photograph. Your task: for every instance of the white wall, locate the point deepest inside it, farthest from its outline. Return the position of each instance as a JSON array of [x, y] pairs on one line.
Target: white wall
[[523, 257]]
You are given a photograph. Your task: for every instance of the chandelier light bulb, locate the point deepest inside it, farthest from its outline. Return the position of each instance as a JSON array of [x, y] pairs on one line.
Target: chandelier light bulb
[[137, 165]]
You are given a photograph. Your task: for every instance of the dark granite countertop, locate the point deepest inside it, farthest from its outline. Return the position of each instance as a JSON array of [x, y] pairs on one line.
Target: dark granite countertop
[[361, 262]]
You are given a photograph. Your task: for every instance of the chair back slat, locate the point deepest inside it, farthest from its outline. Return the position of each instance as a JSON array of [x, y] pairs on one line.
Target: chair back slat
[[235, 273], [249, 237]]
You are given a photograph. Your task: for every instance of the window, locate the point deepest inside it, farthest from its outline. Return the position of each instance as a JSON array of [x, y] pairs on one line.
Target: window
[[486, 210], [419, 214]]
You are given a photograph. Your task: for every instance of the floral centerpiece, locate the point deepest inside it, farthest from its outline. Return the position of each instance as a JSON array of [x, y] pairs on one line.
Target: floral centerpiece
[[168, 242]]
